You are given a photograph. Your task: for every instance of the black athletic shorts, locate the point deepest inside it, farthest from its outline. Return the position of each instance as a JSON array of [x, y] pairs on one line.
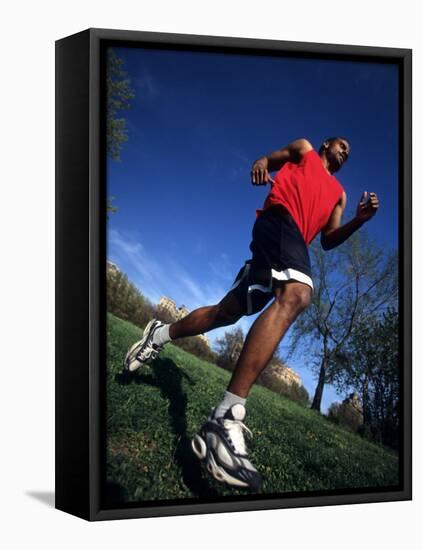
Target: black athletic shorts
[[279, 253]]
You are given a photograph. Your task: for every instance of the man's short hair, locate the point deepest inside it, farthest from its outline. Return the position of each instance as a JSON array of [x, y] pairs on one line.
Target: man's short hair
[[330, 140]]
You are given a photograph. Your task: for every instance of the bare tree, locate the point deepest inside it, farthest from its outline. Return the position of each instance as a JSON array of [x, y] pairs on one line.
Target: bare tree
[[352, 283], [228, 348], [370, 365]]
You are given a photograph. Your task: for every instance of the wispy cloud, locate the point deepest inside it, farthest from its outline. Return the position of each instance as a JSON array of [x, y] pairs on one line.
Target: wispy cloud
[[222, 268], [164, 276], [146, 85], [130, 255]]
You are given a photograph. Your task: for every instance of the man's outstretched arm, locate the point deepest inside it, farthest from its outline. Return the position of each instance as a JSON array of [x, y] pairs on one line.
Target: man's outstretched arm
[[334, 233], [261, 168]]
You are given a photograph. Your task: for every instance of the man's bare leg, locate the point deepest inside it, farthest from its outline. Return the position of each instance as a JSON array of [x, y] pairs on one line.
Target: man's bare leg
[[220, 442], [266, 333], [203, 319]]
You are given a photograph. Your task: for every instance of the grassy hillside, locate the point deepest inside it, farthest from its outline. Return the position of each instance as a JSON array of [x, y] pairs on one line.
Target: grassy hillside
[[152, 415]]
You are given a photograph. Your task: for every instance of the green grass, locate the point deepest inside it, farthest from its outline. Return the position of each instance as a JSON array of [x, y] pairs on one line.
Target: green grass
[[152, 415]]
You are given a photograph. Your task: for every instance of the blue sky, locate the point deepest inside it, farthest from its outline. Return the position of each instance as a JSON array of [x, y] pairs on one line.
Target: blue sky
[[185, 202]]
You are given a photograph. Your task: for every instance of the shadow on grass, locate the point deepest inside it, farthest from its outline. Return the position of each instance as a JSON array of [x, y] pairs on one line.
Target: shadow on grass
[[168, 378]]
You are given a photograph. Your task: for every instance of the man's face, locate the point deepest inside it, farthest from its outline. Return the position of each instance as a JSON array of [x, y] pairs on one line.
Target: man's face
[[337, 153]]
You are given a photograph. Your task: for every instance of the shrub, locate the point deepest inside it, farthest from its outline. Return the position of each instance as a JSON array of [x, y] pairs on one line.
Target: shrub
[[293, 391], [229, 348], [197, 347], [125, 301], [347, 415]]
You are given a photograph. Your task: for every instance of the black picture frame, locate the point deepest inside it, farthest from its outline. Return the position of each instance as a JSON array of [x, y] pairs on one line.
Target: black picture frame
[[80, 267]]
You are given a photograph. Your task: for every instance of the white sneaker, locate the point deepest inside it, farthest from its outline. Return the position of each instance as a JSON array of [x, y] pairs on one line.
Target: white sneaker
[[145, 350], [221, 445]]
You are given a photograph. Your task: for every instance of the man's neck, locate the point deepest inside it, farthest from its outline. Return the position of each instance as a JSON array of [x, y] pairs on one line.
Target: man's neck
[[326, 164]]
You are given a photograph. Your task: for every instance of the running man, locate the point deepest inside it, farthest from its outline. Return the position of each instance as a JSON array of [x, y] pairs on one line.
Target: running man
[[305, 199]]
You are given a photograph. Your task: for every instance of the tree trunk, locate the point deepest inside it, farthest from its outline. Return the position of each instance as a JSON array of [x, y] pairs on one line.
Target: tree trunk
[[367, 413], [316, 403]]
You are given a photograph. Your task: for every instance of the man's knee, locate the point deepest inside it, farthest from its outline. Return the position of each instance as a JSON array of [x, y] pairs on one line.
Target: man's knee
[[229, 310], [297, 296]]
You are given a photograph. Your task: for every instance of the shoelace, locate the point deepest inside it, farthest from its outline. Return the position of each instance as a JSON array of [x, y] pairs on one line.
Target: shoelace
[[235, 429], [156, 351], [149, 352]]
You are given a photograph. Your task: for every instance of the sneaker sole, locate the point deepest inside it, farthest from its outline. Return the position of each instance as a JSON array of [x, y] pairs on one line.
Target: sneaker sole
[[134, 350], [199, 447]]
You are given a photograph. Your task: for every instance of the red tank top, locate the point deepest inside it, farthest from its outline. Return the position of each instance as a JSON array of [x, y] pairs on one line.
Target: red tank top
[[308, 192]]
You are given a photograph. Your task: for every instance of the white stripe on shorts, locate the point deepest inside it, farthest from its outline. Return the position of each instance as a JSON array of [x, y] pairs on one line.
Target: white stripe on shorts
[[245, 274], [260, 287], [292, 274]]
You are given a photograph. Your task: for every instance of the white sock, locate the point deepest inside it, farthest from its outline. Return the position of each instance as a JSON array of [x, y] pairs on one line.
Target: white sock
[[229, 399], [161, 335]]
